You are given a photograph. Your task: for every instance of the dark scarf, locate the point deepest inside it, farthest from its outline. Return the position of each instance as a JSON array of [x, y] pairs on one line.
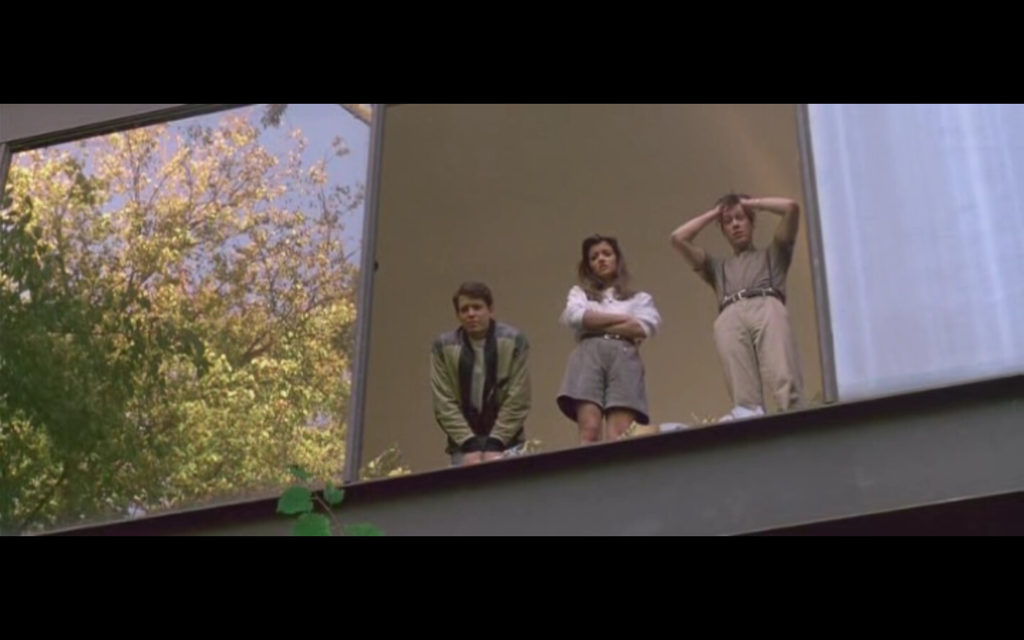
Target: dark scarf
[[480, 421]]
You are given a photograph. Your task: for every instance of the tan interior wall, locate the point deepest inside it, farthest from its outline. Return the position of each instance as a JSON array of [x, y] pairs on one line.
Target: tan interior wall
[[506, 193]]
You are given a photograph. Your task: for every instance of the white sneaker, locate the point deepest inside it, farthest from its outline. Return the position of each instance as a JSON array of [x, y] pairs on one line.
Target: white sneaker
[[666, 427], [738, 413]]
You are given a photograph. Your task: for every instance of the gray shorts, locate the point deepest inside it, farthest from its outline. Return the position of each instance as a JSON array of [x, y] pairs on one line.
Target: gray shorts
[[606, 372]]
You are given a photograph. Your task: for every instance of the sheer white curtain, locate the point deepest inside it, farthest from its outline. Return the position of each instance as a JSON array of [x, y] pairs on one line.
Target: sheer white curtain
[[923, 234]]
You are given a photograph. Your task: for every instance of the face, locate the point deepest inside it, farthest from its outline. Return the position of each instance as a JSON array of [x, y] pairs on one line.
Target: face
[[603, 262], [474, 315], [737, 227]]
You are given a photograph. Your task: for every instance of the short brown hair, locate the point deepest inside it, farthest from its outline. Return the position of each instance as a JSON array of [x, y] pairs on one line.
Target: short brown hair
[[477, 290], [730, 200]]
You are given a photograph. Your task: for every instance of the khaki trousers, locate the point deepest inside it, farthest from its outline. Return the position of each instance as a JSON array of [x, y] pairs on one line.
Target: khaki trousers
[[756, 344]]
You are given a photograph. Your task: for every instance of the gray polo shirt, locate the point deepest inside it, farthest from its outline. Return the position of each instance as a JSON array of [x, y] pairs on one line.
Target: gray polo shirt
[[750, 269]]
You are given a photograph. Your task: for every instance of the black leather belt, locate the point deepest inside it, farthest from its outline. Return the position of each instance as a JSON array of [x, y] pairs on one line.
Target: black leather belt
[[743, 294]]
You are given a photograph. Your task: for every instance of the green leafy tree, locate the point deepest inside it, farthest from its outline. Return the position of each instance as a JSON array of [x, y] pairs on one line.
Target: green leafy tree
[[176, 320]]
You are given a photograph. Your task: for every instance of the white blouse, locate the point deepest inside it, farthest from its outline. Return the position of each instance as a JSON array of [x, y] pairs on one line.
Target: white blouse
[[640, 307]]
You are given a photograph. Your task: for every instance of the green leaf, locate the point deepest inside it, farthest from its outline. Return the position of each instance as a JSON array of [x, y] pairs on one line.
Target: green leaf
[[363, 529], [300, 473], [333, 495], [312, 524], [295, 500]]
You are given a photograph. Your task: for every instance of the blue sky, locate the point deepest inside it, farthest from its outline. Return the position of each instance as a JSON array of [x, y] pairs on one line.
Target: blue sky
[[321, 123]]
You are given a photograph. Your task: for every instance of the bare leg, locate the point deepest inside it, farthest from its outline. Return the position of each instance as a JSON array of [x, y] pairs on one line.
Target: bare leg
[[588, 417], [618, 422]]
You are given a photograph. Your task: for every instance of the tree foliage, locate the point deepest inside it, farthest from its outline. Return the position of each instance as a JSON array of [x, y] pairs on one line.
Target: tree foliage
[[176, 319]]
